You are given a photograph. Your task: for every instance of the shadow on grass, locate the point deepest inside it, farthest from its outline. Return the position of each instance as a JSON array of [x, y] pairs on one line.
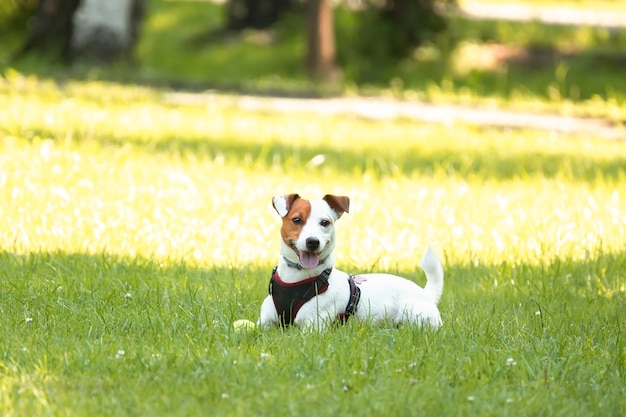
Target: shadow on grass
[[493, 71], [491, 58], [420, 162], [408, 159]]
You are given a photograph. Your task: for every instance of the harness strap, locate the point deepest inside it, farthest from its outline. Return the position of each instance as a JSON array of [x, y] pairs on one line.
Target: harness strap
[[289, 298], [353, 301]]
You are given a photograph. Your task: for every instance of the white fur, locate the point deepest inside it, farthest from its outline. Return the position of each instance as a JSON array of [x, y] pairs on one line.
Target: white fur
[[384, 297], [280, 204]]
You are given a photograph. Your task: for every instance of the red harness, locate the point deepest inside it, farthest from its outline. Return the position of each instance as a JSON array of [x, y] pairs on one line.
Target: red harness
[[289, 298]]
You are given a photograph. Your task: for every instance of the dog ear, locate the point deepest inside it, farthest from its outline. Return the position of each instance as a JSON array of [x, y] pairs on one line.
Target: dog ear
[[282, 203], [340, 204]]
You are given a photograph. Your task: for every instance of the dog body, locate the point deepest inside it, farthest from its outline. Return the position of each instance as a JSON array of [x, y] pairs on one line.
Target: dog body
[[307, 245]]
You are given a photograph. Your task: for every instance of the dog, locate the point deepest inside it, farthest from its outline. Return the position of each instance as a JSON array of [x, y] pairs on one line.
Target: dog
[[308, 292]]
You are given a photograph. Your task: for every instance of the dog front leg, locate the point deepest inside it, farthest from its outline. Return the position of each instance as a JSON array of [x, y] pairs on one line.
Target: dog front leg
[[268, 316]]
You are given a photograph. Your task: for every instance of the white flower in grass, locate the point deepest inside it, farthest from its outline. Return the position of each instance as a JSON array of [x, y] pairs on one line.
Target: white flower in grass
[[471, 398], [265, 356], [120, 354], [537, 313], [28, 319], [128, 295], [225, 396], [511, 362]]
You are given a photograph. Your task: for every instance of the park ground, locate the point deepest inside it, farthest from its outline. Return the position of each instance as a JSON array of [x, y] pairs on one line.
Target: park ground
[[137, 227]]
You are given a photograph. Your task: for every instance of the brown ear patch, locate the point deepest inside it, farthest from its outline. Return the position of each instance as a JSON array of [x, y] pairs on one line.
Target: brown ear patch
[[340, 204]]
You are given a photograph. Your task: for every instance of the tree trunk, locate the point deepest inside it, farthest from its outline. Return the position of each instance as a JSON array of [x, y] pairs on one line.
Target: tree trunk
[[51, 28], [105, 30], [95, 29], [321, 41]]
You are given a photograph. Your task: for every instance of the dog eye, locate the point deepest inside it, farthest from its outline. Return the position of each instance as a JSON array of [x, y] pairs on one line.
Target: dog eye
[[325, 223], [296, 220]]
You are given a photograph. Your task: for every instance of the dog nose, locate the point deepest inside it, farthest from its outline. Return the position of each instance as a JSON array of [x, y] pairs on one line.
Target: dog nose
[[312, 244]]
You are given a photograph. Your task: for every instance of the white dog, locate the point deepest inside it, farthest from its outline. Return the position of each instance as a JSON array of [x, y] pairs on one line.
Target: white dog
[[307, 291]]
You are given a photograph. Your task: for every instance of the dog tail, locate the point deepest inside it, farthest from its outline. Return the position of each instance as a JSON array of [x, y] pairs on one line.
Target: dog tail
[[431, 265]]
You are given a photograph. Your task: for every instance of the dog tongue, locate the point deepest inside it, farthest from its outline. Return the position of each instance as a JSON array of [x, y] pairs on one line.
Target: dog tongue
[[309, 260]]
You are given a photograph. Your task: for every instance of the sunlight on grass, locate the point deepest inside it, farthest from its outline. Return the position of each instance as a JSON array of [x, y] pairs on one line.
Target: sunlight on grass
[[135, 231], [198, 167]]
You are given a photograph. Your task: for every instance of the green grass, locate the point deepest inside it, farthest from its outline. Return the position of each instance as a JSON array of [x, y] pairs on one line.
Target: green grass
[[135, 231]]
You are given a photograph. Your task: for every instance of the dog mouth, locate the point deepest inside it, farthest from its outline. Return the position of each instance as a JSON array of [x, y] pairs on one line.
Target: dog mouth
[[308, 260]]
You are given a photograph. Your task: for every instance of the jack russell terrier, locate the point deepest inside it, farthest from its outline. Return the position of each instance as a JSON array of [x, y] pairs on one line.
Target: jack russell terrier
[[307, 291]]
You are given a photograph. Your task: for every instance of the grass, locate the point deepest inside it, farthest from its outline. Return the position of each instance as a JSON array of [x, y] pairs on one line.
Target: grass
[[135, 231]]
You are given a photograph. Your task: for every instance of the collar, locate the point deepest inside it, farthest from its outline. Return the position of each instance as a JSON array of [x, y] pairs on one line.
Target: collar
[[297, 266]]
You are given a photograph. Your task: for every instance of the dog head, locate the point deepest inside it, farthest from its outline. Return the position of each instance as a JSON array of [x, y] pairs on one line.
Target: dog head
[[308, 229]]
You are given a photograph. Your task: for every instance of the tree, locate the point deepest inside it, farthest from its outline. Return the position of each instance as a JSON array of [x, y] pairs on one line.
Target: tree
[[262, 14], [255, 14], [93, 29], [320, 58], [105, 30], [412, 22], [391, 29], [51, 28]]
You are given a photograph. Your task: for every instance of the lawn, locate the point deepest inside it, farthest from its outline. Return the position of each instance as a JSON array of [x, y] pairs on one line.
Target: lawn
[[135, 231]]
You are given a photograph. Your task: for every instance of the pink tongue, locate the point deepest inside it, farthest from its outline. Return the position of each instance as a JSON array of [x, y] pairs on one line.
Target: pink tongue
[[309, 260]]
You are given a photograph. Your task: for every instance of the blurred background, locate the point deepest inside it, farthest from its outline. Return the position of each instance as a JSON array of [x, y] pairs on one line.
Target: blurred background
[[525, 55]]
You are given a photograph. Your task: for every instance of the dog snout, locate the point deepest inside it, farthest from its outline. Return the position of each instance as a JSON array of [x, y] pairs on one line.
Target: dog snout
[[312, 244]]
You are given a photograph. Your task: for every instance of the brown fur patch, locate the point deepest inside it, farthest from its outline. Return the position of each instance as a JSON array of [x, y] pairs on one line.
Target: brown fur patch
[[290, 231], [340, 204]]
